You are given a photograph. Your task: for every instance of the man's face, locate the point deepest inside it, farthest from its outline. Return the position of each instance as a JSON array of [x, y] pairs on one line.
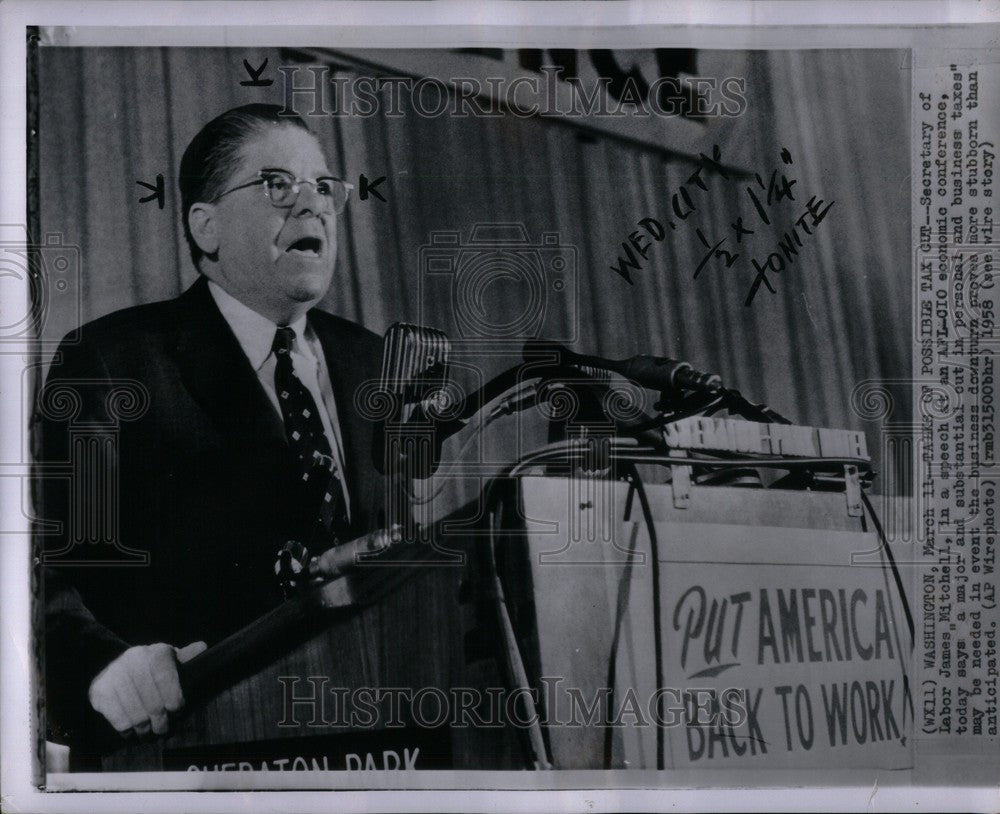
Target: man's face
[[279, 261]]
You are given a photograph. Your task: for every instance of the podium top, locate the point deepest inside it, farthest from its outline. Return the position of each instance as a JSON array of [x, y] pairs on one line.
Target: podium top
[[733, 435]]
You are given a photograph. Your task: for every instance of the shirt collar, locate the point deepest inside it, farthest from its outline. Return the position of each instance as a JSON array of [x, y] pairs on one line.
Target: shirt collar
[[254, 332]]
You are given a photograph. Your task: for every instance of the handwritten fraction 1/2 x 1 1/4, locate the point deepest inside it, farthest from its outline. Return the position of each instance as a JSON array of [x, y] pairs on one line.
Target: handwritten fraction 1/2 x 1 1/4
[[763, 195]]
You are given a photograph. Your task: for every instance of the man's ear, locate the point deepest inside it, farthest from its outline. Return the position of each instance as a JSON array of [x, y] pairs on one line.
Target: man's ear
[[203, 225]]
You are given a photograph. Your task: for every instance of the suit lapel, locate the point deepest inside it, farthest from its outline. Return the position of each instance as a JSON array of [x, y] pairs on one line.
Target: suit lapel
[[219, 377]]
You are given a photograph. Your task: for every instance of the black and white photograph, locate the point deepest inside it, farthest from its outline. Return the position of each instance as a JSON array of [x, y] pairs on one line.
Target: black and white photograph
[[497, 408]]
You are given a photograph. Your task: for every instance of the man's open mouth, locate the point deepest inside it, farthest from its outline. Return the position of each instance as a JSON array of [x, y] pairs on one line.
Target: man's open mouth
[[306, 247]]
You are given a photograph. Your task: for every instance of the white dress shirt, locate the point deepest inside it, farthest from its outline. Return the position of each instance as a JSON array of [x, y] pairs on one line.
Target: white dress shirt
[[255, 333]]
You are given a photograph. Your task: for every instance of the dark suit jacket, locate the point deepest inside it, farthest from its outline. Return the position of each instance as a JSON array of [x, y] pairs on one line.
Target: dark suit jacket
[[206, 486]]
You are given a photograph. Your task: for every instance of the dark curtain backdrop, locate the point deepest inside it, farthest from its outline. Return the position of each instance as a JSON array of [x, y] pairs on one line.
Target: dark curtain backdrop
[[841, 315]]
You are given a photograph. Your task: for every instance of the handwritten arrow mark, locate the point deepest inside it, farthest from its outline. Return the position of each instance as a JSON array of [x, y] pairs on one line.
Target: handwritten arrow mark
[[367, 187], [254, 73], [158, 191]]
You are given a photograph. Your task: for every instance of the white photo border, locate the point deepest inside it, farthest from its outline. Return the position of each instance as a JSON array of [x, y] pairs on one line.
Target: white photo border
[[386, 24]]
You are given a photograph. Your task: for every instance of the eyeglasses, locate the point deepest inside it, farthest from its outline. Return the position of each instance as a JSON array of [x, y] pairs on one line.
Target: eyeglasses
[[281, 188]]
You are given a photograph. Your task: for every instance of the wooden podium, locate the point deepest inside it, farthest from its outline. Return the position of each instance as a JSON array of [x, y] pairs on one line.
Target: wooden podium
[[773, 609], [385, 626]]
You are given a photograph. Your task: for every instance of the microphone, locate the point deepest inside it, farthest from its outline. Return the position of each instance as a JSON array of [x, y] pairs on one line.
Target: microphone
[[415, 365], [654, 372]]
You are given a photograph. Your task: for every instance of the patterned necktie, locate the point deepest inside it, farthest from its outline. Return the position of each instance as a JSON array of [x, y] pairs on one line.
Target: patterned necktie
[[304, 431]]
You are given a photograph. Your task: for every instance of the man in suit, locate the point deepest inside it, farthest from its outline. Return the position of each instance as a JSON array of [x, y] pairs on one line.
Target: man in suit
[[249, 435]]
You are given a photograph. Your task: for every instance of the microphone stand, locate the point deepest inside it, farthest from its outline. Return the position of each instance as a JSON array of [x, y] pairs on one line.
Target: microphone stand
[[672, 405], [735, 402]]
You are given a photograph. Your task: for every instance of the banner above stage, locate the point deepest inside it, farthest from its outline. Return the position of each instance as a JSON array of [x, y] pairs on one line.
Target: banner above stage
[[664, 98]]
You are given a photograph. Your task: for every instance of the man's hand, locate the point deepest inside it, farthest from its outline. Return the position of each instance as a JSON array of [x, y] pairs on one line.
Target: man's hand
[[140, 687], [337, 560]]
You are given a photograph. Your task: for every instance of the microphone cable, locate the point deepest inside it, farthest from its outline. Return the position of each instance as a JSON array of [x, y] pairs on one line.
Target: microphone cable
[[516, 672], [897, 577], [654, 552]]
